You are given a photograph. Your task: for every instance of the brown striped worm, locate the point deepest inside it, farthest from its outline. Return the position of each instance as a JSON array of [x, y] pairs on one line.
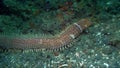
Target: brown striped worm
[[61, 40]]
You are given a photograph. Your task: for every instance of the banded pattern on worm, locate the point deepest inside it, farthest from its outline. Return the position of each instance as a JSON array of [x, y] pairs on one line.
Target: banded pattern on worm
[[66, 37]]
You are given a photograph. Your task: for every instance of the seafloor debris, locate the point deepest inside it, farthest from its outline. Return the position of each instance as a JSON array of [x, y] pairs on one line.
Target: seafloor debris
[[115, 43]]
